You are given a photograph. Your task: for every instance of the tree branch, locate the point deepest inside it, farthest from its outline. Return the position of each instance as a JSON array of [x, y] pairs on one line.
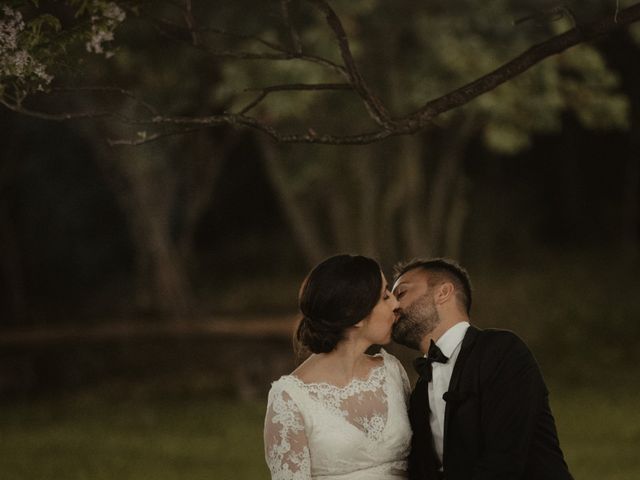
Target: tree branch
[[285, 54], [373, 104], [520, 64], [191, 23], [405, 125], [58, 117], [192, 28], [127, 93], [293, 34], [291, 87], [144, 138]]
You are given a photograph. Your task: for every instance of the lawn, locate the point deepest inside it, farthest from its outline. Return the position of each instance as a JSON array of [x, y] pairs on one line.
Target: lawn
[[84, 436], [600, 433], [92, 439]]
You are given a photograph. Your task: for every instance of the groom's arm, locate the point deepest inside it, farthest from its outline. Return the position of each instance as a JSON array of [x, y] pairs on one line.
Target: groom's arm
[[512, 396]]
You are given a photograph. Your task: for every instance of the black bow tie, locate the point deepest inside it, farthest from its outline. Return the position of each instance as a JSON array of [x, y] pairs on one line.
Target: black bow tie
[[423, 364]]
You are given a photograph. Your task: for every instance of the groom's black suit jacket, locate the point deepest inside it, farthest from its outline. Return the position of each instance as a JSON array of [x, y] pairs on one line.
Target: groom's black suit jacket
[[498, 424]]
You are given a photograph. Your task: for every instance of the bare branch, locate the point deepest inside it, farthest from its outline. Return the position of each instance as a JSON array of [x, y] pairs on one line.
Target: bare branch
[[67, 116], [308, 137], [205, 122], [373, 104], [324, 62], [58, 117], [291, 87], [218, 31], [293, 34], [229, 54], [191, 23], [285, 53], [358, 139], [160, 26], [143, 138], [127, 93]]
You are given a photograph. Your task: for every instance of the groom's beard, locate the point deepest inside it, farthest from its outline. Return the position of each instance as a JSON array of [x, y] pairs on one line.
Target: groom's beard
[[415, 322]]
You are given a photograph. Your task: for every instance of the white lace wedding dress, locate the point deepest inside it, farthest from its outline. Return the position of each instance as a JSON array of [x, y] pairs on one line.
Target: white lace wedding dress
[[357, 432]]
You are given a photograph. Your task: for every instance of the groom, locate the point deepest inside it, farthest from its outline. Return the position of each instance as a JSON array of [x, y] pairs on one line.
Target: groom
[[480, 408]]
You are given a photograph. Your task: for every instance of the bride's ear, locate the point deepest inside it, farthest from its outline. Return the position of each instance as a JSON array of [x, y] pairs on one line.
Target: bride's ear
[[362, 322]]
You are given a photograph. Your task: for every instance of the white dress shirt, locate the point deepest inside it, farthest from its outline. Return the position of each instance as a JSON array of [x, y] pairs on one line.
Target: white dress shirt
[[449, 344]]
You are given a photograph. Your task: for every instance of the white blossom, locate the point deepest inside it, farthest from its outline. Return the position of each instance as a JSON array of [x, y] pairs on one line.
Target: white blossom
[[10, 26], [107, 18], [114, 12], [14, 60], [98, 37]]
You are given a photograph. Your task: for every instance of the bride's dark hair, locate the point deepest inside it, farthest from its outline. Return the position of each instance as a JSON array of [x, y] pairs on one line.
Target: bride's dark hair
[[337, 294]]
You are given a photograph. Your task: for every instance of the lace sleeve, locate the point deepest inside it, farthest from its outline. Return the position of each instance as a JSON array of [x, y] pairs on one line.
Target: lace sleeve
[[406, 385], [402, 374], [285, 441]]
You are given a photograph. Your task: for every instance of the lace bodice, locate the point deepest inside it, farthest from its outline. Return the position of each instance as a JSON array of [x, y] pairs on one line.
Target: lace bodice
[[359, 431]]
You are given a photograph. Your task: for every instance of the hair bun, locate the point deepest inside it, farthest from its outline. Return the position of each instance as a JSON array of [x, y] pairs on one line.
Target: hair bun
[[317, 336]]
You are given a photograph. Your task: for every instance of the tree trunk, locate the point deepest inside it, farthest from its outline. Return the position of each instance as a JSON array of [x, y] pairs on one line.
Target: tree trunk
[[340, 219], [201, 174], [12, 269], [172, 289], [631, 227], [10, 252], [361, 166], [456, 220], [145, 189], [413, 218], [390, 211], [445, 181], [300, 220]]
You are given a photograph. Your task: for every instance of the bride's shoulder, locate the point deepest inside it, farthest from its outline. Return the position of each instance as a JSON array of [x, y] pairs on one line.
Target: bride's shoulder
[[314, 370], [282, 389], [396, 371], [387, 357], [304, 373], [309, 365], [282, 383], [391, 361]]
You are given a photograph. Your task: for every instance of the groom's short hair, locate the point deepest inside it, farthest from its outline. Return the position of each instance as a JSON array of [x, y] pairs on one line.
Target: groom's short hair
[[440, 270]]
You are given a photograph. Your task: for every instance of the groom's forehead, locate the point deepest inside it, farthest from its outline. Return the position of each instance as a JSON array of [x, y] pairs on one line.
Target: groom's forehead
[[414, 277]]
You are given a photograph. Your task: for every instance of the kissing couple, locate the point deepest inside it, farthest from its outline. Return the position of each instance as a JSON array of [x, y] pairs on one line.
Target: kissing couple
[[479, 409]]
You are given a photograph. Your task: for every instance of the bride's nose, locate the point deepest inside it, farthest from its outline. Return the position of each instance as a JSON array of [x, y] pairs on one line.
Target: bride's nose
[[394, 303]]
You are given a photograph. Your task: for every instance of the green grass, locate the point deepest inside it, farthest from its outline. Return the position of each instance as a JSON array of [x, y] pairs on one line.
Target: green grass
[[600, 433], [86, 437]]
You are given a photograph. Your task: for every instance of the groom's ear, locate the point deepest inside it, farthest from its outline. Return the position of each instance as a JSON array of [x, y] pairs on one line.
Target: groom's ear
[[444, 292]]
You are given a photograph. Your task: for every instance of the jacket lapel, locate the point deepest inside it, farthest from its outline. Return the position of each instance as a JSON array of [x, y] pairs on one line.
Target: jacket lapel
[[451, 396]]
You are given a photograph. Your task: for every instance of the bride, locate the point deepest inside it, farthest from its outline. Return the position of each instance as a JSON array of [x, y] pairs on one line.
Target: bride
[[342, 414]]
